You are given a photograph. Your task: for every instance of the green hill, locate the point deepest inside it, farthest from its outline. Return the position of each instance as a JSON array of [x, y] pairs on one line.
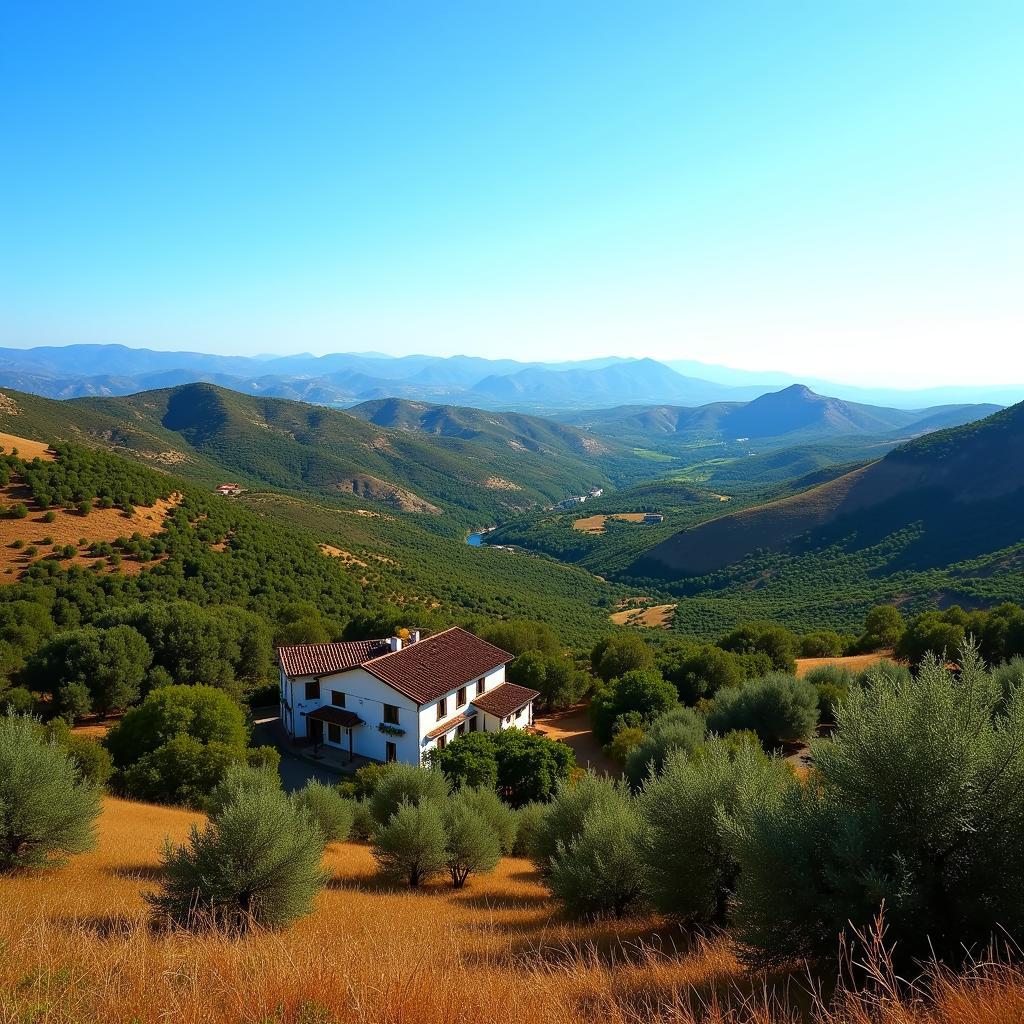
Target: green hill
[[209, 432]]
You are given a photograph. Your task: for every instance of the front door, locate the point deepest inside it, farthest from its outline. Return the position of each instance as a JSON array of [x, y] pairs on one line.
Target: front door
[[316, 730]]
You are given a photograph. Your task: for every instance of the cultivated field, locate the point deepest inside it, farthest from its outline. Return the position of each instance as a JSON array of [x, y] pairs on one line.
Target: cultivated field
[[77, 949]]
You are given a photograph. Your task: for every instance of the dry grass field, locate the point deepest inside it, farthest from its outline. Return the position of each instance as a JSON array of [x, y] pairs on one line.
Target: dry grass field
[[76, 948], [655, 616], [595, 524], [855, 662]]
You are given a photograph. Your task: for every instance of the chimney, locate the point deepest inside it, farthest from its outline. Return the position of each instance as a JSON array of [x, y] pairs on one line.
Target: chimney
[[414, 636], [396, 643]]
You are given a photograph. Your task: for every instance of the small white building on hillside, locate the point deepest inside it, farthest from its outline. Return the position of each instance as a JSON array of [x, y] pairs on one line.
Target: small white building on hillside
[[395, 699]]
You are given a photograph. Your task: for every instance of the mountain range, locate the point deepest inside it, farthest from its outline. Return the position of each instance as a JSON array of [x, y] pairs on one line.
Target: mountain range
[[342, 379]]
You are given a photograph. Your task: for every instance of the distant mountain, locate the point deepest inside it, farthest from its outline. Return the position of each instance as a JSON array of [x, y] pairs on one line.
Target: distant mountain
[[506, 429], [950, 496], [291, 446], [794, 413], [638, 380]]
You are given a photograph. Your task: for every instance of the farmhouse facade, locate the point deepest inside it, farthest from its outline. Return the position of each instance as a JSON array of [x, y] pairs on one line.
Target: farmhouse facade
[[397, 698]]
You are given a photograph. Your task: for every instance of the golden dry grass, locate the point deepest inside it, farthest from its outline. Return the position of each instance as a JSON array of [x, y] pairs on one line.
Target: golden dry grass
[[595, 524], [26, 449], [75, 948], [655, 616], [855, 662]]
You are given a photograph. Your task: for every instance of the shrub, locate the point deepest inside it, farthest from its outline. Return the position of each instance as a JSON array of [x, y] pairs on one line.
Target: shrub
[[18, 510], [521, 765], [565, 815], [599, 871], [362, 821], [92, 760], [916, 803], [363, 784], [625, 740], [883, 627], [678, 729], [238, 780], [831, 683], [16, 700], [825, 643], [205, 713], [49, 517], [529, 821], [764, 638], [499, 816], [778, 708], [406, 784], [181, 771], [644, 693], [412, 845], [700, 671], [618, 654], [518, 636], [930, 633], [257, 861], [691, 872], [554, 676], [328, 810], [46, 808], [471, 846]]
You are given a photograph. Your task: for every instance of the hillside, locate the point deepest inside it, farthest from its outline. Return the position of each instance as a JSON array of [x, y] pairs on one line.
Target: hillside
[[504, 430], [958, 490], [209, 432], [793, 414]]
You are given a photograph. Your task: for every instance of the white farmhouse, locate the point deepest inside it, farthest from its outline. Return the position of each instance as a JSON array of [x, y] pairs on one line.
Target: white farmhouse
[[395, 699]]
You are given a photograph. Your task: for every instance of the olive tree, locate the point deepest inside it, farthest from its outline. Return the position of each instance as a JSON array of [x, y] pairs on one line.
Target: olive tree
[[46, 809]]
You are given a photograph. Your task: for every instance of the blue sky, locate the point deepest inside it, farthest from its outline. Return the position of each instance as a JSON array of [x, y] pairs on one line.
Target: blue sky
[[830, 188]]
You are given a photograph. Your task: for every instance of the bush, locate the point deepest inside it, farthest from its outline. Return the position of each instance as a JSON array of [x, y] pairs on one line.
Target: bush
[[778, 708], [936, 633], [472, 846], [240, 779], [205, 713], [16, 700], [618, 654], [599, 871], [521, 635], [700, 671], [181, 771], [678, 729], [764, 638], [554, 676], [625, 740], [883, 628], [521, 765], [363, 784], [691, 872], [362, 821], [529, 821], [831, 683], [501, 818], [916, 804], [642, 694], [328, 810], [46, 809], [92, 760], [257, 862], [565, 815], [825, 643], [412, 846], [406, 784]]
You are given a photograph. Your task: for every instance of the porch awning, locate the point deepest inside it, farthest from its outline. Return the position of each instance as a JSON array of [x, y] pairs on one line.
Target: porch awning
[[335, 716]]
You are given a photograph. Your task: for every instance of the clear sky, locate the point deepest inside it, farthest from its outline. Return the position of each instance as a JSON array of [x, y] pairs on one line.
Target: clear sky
[[831, 188]]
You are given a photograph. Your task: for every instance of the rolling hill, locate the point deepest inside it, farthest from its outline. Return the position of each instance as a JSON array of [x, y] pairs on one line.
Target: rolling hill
[[953, 495], [794, 413], [211, 432]]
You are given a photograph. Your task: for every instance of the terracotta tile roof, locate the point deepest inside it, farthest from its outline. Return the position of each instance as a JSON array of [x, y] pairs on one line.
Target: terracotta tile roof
[[446, 726], [504, 700], [335, 716], [323, 659], [427, 670]]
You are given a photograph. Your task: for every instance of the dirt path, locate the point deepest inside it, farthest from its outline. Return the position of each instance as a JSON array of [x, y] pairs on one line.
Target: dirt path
[[572, 726]]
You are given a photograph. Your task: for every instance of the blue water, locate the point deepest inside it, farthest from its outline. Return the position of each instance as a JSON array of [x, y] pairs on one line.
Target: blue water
[[475, 539]]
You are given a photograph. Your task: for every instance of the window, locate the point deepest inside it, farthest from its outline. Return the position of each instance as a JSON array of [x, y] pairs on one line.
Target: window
[[472, 724], [442, 708], [441, 741], [391, 714], [333, 733], [338, 698], [390, 752], [313, 689], [519, 713], [461, 730], [479, 686], [460, 697]]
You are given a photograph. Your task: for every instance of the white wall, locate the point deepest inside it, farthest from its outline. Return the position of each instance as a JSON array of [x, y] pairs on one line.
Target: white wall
[[428, 713]]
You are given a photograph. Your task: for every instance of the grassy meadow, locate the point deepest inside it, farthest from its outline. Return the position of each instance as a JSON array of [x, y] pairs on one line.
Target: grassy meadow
[[77, 947]]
